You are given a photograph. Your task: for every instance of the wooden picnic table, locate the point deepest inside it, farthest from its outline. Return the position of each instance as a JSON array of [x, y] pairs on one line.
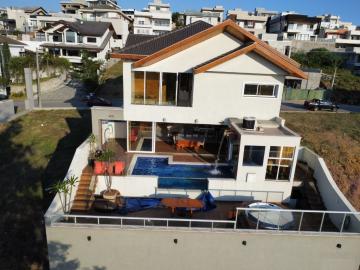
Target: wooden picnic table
[[174, 203]]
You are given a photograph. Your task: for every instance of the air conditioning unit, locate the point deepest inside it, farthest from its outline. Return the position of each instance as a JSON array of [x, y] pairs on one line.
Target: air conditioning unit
[[249, 123]]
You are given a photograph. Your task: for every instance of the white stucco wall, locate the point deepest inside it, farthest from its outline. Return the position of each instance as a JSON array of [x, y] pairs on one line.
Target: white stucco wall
[[217, 93], [114, 248]]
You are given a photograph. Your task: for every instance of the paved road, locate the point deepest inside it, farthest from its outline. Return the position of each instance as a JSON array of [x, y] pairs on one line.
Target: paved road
[[67, 96], [297, 106]]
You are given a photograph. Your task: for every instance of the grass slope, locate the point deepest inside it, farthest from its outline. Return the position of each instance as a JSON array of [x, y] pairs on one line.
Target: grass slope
[[36, 150], [336, 137]]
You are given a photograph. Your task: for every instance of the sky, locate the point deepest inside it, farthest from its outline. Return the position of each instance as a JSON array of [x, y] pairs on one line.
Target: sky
[[347, 9]]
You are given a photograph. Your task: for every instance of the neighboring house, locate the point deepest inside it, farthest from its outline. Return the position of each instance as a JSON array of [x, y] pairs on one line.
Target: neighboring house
[[105, 13], [69, 39], [73, 6], [156, 19], [212, 16], [294, 26], [7, 25], [255, 24], [16, 47], [202, 171], [25, 18], [329, 21]]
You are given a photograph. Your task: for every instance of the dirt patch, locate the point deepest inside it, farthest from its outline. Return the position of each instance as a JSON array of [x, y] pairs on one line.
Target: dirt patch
[[335, 137]]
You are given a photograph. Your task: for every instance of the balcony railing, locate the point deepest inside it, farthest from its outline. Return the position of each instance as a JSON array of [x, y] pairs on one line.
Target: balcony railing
[[302, 221]]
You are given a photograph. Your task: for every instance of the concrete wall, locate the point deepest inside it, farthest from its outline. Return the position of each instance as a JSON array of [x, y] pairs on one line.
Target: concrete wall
[[333, 198], [114, 248], [6, 109], [306, 46]]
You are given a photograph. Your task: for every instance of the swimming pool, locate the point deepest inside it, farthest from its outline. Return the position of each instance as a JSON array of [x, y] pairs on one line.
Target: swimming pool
[[180, 175]]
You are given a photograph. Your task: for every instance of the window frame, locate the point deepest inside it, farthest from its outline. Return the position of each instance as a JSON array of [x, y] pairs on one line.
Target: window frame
[[94, 38], [255, 164], [279, 163], [275, 94], [160, 101]]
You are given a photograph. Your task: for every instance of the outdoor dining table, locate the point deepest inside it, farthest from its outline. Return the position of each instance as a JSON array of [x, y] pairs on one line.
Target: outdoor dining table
[[191, 204]]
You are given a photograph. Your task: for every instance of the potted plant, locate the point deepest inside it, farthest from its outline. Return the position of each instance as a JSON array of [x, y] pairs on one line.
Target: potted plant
[[108, 194], [92, 143]]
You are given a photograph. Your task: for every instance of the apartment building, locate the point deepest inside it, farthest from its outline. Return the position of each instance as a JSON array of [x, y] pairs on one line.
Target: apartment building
[[255, 24], [156, 19], [25, 18], [212, 16], [294, 26], [68, 39]]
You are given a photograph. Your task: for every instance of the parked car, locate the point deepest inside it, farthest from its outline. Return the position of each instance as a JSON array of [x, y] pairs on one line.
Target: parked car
[[98, 101], [319, 104]]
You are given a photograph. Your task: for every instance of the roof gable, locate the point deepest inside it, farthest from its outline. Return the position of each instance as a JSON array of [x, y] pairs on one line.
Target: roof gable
[[260, 47]]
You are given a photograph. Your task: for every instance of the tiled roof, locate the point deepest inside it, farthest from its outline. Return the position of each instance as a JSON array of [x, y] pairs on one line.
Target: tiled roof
[[160, 42], [134, 39], [87, 28], [4, 39]]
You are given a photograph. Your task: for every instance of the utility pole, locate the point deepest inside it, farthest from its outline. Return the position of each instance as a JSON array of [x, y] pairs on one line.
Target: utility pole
[[333, 79], [38, 78]]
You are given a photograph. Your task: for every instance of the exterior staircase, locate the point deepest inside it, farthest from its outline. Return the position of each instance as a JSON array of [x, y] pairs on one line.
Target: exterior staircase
[[84, 195]]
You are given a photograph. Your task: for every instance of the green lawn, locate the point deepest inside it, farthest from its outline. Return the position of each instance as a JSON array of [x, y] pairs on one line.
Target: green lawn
[[336, 137], [36, 150]]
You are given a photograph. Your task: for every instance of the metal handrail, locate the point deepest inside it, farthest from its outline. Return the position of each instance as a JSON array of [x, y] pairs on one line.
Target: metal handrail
[[298, 211]]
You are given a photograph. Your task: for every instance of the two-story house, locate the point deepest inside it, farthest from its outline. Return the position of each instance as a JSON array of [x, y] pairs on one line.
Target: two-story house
[[154, 20], [211, 16], [176, 89], [196, 169], [68, 39], [289, 25]]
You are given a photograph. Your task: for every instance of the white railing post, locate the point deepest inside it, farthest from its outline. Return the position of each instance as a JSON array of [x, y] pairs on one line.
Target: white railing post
[[98, 221], [167, 223], [322, 222], [258, 220], [190, 224], [236, 218], [300, 222], [144, 223], [75, 220], [121, 222], [343, 223]]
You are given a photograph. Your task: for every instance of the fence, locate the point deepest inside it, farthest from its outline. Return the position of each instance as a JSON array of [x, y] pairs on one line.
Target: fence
[[296, 220], [246, 219], [303, 94]]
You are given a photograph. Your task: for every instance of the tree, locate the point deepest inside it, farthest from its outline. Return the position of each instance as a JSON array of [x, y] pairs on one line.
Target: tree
[[89, 72], [176, 18], [64, 190], [5, 60]]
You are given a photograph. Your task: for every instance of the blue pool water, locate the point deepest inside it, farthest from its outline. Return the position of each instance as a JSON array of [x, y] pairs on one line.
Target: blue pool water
[[179, 175]]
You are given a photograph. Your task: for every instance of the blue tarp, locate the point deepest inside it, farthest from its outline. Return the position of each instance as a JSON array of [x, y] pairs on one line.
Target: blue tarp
[[208, 201], [137, 204]]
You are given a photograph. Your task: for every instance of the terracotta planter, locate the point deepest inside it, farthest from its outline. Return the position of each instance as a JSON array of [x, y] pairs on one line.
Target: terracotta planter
[[111, 195]]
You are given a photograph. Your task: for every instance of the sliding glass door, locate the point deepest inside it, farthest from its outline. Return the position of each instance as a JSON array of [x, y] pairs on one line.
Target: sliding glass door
[[140, 136]]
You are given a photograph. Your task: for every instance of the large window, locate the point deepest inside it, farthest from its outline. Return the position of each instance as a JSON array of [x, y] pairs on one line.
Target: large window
[[140, 136], [138, 88], [185, 81], [253, 89], [70, 36], [154, 88], [169, 88], [253, 155], [280, 163]]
